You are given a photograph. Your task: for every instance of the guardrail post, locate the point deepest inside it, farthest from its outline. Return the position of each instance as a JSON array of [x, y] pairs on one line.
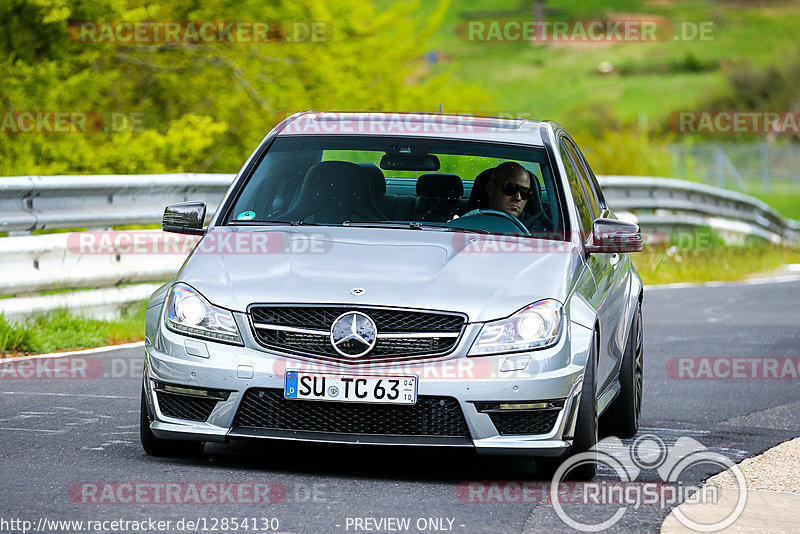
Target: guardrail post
[[718, 170], [765, 165]]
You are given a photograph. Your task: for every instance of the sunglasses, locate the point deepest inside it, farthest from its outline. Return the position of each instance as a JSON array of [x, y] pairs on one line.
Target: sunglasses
[[510, 189]]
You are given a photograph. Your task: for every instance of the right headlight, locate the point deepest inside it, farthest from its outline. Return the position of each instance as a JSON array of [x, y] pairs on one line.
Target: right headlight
[[189, 313], [534, 327]]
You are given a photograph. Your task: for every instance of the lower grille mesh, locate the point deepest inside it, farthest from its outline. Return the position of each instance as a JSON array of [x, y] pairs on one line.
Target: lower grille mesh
[[185, 407], [321, 345], [431, 416], [524, 422]]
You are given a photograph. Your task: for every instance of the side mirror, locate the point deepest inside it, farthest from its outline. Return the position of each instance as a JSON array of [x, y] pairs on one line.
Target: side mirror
[[185, 218], [610, 236]]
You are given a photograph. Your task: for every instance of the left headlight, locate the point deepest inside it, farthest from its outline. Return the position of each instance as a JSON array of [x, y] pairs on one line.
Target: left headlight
[[189, 313], [534, 327]]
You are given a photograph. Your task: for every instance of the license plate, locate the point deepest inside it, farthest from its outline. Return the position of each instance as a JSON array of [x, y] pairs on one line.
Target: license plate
[[372, 389]]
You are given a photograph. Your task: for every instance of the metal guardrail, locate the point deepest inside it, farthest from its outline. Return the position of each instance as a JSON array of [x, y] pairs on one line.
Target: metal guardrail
[[666, 204], [38, 263], [30, 203]]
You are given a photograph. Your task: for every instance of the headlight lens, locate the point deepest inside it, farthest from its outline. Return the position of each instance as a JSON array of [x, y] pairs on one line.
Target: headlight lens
[[533, 327], [191, 314]]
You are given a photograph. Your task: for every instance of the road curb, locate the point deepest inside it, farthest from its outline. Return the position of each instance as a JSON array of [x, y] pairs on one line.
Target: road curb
[[773, 496], [789, 273], [80, 352]]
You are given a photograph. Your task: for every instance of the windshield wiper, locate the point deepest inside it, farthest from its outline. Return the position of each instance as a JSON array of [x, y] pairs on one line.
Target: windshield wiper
[[258, 223], [413, 225], [275, 223]]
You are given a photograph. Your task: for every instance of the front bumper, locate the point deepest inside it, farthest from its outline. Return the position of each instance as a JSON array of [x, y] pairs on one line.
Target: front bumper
[[553, 374]]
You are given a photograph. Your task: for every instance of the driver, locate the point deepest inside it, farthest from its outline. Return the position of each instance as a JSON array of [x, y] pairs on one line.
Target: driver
[[509, 188]]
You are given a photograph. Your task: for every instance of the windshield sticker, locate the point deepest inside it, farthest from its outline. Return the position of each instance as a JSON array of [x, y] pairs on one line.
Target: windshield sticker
[[246, 216]]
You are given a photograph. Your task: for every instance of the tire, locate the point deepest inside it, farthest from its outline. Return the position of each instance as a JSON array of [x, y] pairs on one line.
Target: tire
[[622, 417], [586, 428], [155, 446]]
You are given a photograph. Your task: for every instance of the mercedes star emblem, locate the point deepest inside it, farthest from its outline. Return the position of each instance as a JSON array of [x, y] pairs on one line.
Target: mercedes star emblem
[[353, 334]]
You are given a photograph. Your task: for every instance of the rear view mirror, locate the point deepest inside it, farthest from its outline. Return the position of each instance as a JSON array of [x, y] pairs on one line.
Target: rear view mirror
[[613, 236], [185, 218], [409, 162]]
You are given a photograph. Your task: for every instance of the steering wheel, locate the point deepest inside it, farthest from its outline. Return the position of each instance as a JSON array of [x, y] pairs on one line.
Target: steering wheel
[[502, 214]]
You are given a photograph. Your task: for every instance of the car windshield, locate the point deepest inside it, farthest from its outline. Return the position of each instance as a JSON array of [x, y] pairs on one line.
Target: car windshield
[[400, 182]]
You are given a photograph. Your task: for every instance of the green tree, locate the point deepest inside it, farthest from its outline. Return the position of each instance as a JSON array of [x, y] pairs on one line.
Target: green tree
[[204, 106]]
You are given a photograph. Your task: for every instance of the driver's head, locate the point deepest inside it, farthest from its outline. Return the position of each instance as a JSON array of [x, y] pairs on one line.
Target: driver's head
[[509, 188]]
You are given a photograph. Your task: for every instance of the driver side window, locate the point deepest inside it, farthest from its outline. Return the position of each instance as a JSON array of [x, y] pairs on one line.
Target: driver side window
[[584, 213]]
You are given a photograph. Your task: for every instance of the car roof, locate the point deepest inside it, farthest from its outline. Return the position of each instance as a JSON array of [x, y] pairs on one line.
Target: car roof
[[403, 124]]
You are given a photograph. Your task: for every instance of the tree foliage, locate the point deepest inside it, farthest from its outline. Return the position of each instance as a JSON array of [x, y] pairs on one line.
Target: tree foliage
[[204, 106]]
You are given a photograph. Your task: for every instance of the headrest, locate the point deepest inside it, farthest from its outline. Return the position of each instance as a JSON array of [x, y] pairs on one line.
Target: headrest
[[440, 185], [337, 179], [535, 192], [377, 181], [485, 174]]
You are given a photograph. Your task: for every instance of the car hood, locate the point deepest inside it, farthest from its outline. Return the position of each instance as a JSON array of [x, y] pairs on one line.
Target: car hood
[[484, 276]]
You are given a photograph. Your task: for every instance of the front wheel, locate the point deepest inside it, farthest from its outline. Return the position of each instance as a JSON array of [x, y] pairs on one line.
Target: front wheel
[[586, 434], [622, 417], [155, 446]]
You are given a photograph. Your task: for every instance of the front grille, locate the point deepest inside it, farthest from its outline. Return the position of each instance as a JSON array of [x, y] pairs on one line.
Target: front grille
[[321, 345], [184, 406], [431, 416], [524, 422], [387, 321]]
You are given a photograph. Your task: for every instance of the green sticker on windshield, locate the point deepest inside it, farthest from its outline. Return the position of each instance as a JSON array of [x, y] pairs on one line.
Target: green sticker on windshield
[[246, 216]]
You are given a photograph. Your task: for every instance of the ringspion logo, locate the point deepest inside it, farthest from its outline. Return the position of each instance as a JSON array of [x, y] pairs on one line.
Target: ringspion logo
[[648, 452]]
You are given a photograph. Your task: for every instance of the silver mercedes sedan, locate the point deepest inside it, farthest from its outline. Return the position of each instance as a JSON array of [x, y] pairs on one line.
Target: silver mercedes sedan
[[401, 279]]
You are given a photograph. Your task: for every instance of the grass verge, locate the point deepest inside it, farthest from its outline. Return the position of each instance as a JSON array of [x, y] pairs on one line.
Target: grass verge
[[715, 263], [787, 204], [61, 330]]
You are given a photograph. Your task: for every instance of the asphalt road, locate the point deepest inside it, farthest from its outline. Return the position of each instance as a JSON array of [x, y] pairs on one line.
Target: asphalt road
[[68, 447]]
